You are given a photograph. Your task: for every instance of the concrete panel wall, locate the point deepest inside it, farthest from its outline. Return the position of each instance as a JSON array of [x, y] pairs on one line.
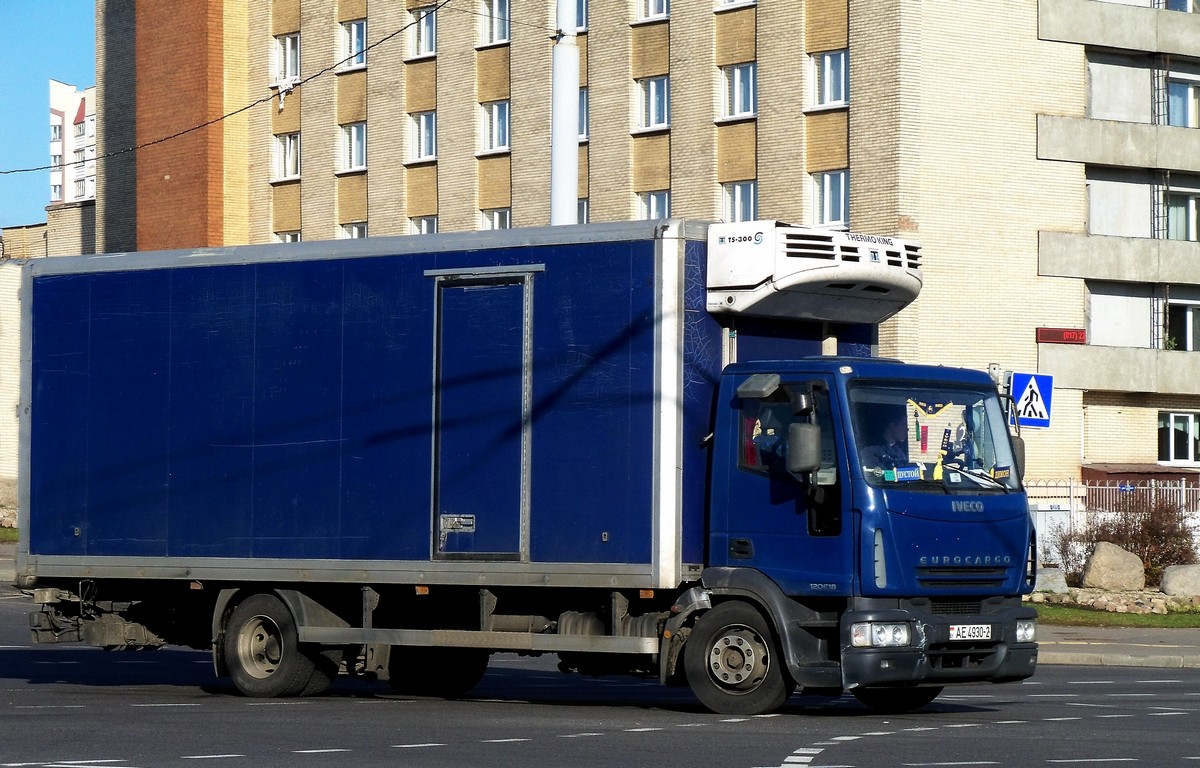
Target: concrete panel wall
[[1119, 315]]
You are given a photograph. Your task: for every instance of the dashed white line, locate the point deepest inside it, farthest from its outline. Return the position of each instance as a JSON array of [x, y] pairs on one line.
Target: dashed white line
[[1059, 719], [316, 751], [164, 705], [641, 730], [207, 757], [1097, 760], [503, 741], [417, 746], [579, 735]]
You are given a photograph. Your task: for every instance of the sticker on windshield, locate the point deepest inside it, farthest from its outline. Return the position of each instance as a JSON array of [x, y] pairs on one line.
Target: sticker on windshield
[[1002, 473], [903, 474]]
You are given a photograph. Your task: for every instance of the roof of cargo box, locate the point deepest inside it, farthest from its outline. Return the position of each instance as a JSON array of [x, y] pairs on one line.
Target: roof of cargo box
[[397, 245]]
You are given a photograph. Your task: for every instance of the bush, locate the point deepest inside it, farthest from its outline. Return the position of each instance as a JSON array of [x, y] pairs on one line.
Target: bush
[[1149, 523]]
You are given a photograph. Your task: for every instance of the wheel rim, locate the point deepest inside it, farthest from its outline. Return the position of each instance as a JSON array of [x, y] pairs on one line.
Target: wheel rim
[[738, 659], [260, 647]]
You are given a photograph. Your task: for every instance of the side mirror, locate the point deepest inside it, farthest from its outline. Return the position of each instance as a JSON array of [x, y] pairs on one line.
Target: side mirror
[[803, 448], [1018, 446]]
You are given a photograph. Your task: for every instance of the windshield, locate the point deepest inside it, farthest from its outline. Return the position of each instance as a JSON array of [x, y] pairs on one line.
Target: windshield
[[947, 438]]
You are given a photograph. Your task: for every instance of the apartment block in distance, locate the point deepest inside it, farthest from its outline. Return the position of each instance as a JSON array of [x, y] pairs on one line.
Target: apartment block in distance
[[1044, 152]]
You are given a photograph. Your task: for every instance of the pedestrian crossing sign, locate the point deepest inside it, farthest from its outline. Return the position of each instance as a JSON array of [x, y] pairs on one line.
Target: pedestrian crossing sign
[[1032, 394]]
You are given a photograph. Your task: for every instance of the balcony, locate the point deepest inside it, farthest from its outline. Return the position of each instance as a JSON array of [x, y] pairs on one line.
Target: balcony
[[1109, 142], [1118, 259], [1121, 369], [1116, 25]]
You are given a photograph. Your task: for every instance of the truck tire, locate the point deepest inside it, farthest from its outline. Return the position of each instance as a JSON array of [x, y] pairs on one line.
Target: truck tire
[[263, 653], [895, 700], [732, 662], [447, 673]]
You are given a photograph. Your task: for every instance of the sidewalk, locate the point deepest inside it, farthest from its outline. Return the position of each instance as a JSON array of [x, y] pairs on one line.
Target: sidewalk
[[1080, 646]]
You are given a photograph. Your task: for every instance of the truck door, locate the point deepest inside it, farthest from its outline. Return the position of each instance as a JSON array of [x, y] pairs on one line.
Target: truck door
[[481, 402], [793, 529]]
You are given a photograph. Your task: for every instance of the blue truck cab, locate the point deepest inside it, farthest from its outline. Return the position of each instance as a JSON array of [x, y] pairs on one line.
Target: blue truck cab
[[894, 555], [650, 448]]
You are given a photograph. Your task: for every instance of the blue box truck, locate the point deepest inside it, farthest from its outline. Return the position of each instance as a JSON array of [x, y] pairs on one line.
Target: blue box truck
[[657, 448]]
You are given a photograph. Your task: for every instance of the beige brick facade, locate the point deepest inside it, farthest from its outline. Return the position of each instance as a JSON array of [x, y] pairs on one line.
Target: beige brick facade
[[939, 137]]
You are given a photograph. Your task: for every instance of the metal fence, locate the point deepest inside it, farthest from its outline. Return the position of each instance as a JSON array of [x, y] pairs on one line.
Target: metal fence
[[1072, 507]]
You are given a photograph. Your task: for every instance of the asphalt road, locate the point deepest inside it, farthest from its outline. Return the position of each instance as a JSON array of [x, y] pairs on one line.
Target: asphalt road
[[82, 708]]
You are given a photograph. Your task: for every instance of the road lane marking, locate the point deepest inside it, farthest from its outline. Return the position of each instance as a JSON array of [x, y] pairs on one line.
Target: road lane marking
[[207, 757], [578, 735], [316, 751], [503, 741], [417, 746]]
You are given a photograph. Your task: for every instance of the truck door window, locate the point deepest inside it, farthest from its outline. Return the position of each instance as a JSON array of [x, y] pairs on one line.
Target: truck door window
[[764, 428]]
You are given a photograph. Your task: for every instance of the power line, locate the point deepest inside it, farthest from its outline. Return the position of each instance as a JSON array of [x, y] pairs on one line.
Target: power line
[[257, 102]]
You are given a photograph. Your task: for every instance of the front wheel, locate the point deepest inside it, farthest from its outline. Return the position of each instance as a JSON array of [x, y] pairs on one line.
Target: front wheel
[[731, 662], [895, 700], [262, 650]]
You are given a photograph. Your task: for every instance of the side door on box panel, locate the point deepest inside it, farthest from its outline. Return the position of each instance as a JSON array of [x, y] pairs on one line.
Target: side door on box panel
[[481, 406]]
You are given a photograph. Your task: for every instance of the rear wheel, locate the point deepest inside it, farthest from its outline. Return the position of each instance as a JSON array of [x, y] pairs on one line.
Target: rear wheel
[[732, 664], [445, 672], [263, 653], [896, 699]]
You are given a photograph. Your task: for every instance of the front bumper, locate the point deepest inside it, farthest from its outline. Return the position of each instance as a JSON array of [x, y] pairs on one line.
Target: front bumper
[[933, 658]]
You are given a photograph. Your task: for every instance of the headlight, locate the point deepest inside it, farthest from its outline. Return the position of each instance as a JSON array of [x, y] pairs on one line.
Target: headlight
[[879, 634], [1026, 630]]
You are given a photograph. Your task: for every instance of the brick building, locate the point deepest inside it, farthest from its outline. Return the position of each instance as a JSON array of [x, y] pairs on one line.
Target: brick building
[[1043, 151]]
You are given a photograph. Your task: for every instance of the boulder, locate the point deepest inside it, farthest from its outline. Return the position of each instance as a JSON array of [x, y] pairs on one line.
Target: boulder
[[1053, 580], [1181, 580], [1112, 568]]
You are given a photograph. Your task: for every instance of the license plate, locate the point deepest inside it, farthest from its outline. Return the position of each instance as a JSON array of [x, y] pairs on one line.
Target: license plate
[[970, 631]]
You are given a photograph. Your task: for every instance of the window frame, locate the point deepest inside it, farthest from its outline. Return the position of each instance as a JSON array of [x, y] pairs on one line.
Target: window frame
[[287, 58], [355, 230], [495, 218], [584, 114], [1191, 214], [831, 85], [423, 32], [56, 131], [496, 126], [289, 236], [56, 192], [734, 194], [655, 204], [424, 136], [741, 99], [423, 225], [822, 198], [1189, 6], [495, 21], [581, 12], [1190, 84], [654, 97], [1166, 428], [287, 153], [354, 147], [653, 10], [353, 44]]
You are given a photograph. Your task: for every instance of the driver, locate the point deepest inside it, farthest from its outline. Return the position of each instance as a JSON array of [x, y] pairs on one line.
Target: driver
[[892, 451]]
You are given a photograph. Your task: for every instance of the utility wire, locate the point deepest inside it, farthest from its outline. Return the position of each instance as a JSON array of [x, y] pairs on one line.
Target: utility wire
[[263, 100]]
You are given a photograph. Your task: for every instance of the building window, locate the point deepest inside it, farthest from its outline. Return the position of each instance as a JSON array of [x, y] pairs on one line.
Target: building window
[[423, 225], [287, 58], [89, 187], [741, 200], [77, 157], [79, 129], [354, 44], [1182, 210], [1179, 437], [55, 132], [354, 147], [494, 14], [656, 205], [56, 191], [1183, 326], [1189, 6], [423, 34], [654, 9], [424, 133], [582, 213], [287, 156], [583, 114], [496, 218], [353, 231], [741, 89], [1183, 101], [581, 12], [292, 236], [829, 79], [80, 190], [56, 161], [831, 195], [495, 126], [655, 102]]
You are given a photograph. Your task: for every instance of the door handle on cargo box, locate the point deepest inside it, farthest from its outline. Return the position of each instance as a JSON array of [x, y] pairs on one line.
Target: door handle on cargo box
[[742, 549]]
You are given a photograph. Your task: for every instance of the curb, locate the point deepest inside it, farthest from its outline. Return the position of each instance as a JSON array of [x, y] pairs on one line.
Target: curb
[[1164, 661]]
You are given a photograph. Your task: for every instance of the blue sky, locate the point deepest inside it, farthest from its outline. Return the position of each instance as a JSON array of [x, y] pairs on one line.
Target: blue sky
[[40, 40]]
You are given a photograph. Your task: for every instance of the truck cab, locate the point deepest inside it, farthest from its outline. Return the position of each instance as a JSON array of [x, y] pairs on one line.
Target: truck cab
[[875, 511]]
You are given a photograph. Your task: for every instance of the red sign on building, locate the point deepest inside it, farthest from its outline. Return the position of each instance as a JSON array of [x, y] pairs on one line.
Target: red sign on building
[[1062, 335]]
